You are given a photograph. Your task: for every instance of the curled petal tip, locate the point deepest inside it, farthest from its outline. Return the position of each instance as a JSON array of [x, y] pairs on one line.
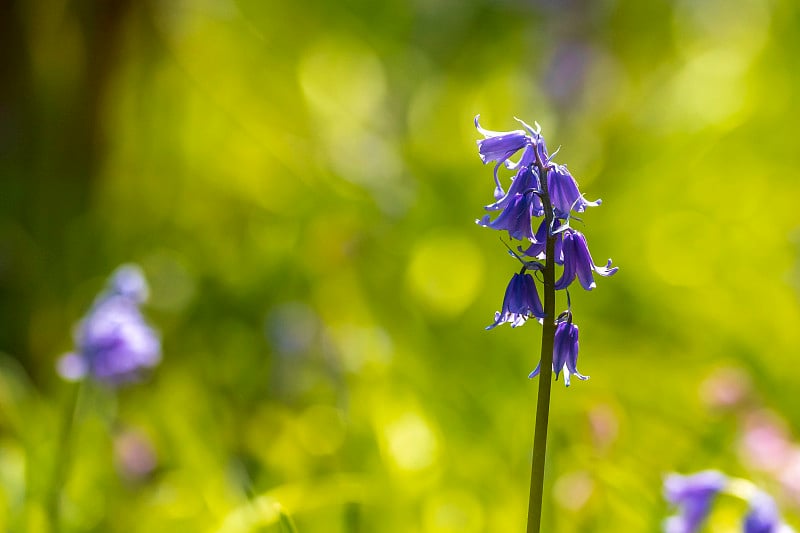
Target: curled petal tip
[[483, 221], [607, 270]]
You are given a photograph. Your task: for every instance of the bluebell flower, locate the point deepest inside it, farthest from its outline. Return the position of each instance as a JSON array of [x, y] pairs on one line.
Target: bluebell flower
[[763, 516], [525, 181], [520, 302], [515, 218], [565, 352], [693, 495], [114, 344], [578, 262], [564, 193], [499, 146], [538, 140], [538, 245]]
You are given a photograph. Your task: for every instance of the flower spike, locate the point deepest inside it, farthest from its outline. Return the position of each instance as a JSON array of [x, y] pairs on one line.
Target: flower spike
[[540, 188]]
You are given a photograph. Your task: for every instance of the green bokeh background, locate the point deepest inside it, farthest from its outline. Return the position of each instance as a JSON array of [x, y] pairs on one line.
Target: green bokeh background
[[299, 181]]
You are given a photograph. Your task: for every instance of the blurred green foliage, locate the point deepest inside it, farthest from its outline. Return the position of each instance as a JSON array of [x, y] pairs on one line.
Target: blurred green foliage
[[299, 181]]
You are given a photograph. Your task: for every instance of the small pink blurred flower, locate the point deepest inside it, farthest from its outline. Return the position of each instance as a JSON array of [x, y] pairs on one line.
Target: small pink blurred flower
[[789, 476], [604, 425], [134, 455], [764, 444], [725, 388]]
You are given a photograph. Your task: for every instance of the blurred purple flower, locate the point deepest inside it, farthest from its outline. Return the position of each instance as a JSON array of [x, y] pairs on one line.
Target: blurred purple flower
[[565, 352], [113, 342], [128, 281], [520, 302], [565, 76], [578, 262], [693, 495], [763, 516]]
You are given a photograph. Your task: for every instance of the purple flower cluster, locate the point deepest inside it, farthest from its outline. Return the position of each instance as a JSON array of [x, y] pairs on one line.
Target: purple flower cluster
[[114, 344], [694, 496], [542, 189]]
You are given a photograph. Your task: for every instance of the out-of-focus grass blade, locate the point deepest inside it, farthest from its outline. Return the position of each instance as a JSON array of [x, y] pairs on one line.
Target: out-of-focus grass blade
[[287, 524]]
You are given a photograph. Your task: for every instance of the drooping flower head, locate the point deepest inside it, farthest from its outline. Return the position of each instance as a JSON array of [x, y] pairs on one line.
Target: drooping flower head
[[113, 343], [515, 218], [693, 495], [520, 302], [525, 181], [564, 193], [578, 262], [565, 352], [499, 146]]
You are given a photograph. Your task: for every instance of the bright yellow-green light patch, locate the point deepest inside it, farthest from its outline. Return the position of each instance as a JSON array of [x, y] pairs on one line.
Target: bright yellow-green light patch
[[445, 272], [12, 480], [345, 86], [454, 511], [343, 80], [708, 90], [701, 26], [507, 92], [410, 443]]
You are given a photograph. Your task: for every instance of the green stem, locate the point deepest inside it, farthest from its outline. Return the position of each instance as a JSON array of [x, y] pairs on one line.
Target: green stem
[[62, 457], [546, 368]]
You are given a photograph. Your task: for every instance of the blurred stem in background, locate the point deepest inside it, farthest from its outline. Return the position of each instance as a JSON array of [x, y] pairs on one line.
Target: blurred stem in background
[[287, 524], [53, 138], [63, 455], [546, 364]]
